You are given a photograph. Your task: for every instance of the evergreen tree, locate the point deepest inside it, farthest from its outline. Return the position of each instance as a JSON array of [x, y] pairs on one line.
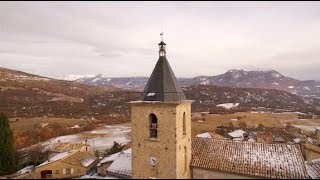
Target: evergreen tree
[[7, 150], [115, 148]]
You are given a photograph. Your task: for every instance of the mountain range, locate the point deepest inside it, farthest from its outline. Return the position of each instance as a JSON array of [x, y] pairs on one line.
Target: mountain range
[[28, 95], [233, 78]]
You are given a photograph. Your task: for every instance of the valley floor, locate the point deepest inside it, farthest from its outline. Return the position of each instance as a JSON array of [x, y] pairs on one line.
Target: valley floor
[[205, 121], [99, 139], [103, 136]]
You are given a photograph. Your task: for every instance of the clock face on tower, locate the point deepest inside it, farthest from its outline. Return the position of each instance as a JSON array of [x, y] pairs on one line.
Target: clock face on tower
[[153, 161]]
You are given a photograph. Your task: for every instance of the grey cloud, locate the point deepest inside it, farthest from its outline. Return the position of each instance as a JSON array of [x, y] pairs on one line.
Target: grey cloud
[[120, 38], [312, 55]]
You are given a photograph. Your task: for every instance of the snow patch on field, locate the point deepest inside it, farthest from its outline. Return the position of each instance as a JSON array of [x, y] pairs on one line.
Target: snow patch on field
[[307, 88], [204, 135], [100, 139], [205, 82], [112, 129], [105, 143], [290, 87], [151, 94], [307, 128], [229, 105], [63, 139], [237, 134], [72, 77], [96, 79], [293, 91], [75, 126]]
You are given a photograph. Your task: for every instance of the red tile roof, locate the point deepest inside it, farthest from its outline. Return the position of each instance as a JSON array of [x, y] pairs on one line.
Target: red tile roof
[[249, 158]]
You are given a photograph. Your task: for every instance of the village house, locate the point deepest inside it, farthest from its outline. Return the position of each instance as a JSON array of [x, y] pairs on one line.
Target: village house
[[223, 159], [64, 147], [122, 165], [104, 164], [68, 164]]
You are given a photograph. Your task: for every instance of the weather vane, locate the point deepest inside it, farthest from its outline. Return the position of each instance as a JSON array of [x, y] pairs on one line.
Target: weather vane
[[161, 33]]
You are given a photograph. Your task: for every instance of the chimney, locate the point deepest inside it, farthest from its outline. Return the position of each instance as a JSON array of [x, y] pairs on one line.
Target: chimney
[[59, 141]]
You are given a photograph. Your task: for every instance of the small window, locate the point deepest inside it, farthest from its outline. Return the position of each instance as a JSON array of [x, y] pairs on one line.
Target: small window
[[68, 171], [153, 121], [57, 172], [184, 123]]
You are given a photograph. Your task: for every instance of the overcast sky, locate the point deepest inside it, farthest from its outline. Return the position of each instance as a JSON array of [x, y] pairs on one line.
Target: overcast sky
[[120, 38]]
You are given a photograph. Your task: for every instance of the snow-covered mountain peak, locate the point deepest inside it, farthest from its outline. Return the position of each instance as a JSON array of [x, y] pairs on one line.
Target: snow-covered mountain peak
[[72, 77]]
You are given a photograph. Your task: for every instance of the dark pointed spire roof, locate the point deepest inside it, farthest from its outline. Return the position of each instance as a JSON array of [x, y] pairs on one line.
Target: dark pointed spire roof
[[162, 84]]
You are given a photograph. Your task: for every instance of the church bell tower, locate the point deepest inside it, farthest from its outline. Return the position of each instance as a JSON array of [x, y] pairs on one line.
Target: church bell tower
[[161, 126]]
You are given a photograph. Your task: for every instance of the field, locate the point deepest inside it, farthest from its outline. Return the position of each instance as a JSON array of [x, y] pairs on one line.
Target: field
[[208, 122], [23, 124], [99, 139], [29, 131]]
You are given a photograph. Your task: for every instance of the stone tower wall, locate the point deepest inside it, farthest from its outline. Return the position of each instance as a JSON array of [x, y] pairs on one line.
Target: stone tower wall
[[168, 147]]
